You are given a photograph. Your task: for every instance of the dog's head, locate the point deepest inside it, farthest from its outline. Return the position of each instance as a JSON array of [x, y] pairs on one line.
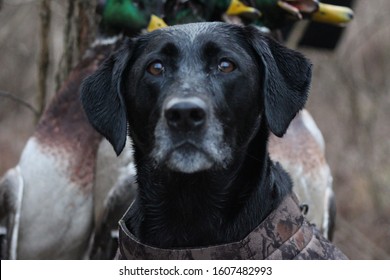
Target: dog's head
[[194, 95]]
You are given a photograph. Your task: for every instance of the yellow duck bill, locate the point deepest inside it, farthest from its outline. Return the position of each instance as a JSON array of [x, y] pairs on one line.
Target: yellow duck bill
[[331, 14], [155, 23], [237, 8]]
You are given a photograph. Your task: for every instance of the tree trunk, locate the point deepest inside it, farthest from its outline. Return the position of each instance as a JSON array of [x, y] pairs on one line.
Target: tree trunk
[[79, 33]]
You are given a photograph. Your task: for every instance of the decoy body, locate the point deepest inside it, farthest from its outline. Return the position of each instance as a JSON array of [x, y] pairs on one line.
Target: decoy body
[[301, 152], [47, 201]]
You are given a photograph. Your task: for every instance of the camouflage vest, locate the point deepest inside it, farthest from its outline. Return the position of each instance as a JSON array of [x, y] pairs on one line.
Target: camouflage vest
[[284, 234]]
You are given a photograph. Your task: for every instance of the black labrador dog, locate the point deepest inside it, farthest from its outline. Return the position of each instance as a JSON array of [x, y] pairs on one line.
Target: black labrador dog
[[199, 101]]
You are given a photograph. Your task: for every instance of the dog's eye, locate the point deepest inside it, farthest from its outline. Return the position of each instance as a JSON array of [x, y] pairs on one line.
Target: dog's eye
[[226, 66], [156, 68]]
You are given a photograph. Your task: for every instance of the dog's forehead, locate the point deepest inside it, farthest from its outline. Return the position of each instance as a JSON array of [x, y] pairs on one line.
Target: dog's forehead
[[188, 35], [192, 31]]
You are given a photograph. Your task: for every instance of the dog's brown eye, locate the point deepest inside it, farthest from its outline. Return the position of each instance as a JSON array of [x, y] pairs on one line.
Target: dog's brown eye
[[156, 68], [226, 66]]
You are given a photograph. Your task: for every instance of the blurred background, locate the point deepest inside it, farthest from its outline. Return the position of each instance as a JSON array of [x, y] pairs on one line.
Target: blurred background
[[349, 100]]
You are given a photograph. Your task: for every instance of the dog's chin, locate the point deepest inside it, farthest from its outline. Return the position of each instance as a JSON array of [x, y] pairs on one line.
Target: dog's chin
[[207, 151], [189, 160]]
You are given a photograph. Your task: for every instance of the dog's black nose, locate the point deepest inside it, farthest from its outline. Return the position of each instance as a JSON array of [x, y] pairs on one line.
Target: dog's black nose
[[185, 114]]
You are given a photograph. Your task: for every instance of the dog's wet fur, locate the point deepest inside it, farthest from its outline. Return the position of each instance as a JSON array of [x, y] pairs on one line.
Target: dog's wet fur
[[199, 101]]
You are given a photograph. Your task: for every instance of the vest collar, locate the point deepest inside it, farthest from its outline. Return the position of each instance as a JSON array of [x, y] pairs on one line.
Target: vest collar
[[284, 228]]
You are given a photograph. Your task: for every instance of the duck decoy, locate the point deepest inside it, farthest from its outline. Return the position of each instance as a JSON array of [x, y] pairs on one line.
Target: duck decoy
[[52, 201]]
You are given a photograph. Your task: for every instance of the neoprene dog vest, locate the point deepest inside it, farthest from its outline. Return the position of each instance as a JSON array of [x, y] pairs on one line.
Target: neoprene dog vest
[[284, 234]]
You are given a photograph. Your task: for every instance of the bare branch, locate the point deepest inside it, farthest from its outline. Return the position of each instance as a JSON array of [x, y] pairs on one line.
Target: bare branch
[[43, 65], [19, 100]]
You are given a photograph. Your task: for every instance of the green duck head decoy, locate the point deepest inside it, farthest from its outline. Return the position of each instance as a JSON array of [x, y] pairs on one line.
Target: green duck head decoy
[[125, 15]]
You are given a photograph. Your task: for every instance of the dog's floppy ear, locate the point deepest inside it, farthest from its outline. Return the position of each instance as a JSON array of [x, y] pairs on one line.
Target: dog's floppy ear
[[102, 99], [287, 76]]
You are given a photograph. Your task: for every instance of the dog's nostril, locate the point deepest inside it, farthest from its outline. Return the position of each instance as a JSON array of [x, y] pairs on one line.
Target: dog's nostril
[[185, 115], [172, 115], [197, 115]]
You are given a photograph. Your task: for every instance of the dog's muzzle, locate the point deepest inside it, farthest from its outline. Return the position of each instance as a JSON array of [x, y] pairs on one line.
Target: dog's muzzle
[[188, 137]]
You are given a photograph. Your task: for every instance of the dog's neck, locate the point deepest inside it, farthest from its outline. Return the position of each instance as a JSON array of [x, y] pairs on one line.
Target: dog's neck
[[207, 208]]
